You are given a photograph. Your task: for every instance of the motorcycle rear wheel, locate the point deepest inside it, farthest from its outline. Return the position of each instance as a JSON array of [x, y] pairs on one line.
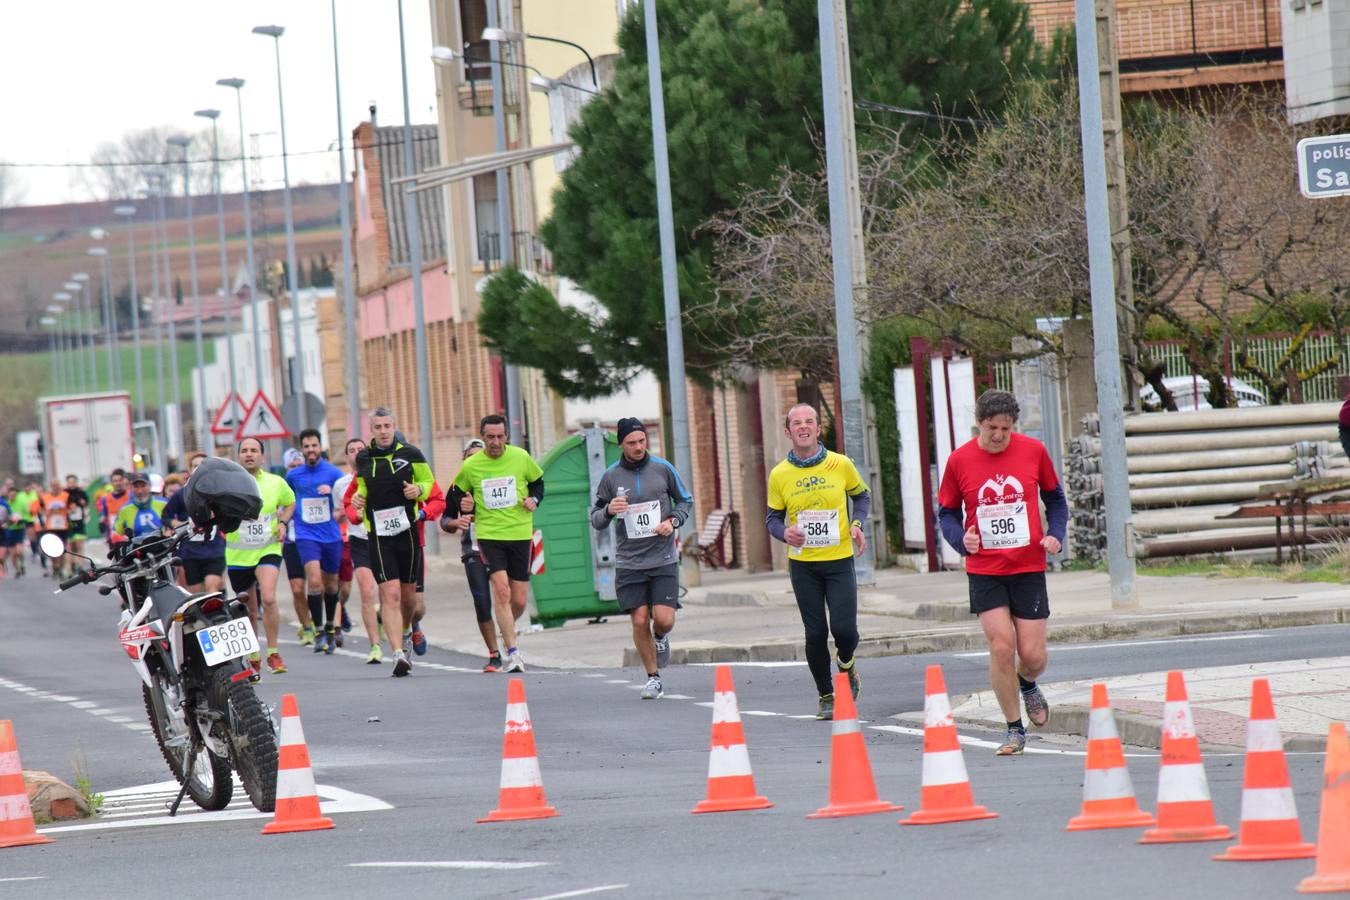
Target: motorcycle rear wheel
[[252, 738], [207, 776]]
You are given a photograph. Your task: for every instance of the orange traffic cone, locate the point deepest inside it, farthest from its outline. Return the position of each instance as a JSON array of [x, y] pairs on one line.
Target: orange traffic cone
[[1108, 795], [1333, 828], [852, 790], [297, 798], [16, 816], [946, 795], [731, 785], [1269, 826], [522, 785], [1185, 810]]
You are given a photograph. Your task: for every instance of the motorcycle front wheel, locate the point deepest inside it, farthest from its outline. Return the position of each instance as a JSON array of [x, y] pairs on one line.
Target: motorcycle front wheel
[[251, 735], [207, 776]]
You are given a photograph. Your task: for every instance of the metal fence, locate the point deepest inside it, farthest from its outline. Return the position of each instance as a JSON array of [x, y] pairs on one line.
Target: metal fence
[[1267, 352]]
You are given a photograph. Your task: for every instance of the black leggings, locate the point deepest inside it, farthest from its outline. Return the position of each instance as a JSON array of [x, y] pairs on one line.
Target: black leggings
[[476, 573], [818, 586]]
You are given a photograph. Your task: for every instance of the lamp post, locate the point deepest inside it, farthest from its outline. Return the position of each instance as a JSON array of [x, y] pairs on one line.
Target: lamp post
[[344, 222], [238, 84], [199, 408], [130, 213], [49, 322], [77, 334], [112, 363], [169, 301], [157, 313], [62, 367], [500, 36], [292, 274], [213, 115], [87, 340], [428, 433]]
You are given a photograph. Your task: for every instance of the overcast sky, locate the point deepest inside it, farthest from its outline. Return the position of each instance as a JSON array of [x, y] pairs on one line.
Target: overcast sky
[[76, 73]]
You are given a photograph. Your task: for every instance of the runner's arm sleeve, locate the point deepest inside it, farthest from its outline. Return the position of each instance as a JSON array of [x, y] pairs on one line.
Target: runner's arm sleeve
[[600, 517], [536, 488], [682, 504], [953, 528], [776, 521], [435, 504], [1056, 512], [862, 506], [457, 494], [351, 512], [423, 478]]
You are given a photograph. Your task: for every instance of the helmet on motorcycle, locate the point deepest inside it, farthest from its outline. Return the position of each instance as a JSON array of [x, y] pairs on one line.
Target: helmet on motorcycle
[[221, 493]]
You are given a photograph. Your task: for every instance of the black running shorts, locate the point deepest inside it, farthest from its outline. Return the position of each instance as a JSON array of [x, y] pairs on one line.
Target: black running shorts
[[511, 557], [1024, 594]]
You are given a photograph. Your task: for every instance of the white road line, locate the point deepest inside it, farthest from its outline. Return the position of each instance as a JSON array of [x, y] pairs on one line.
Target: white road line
[[25, 878], [1063, 648], [107, 715], [676, 697], [758, 712], [583, 892], [757, 665], [617, 681], [448, 864], [967, 740]]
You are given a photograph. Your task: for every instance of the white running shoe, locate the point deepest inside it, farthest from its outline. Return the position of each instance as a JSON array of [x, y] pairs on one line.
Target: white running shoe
[[514, 663], [653, 690]]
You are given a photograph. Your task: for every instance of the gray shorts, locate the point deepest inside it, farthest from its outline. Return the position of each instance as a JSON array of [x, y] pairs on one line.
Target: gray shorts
[[640, 587]]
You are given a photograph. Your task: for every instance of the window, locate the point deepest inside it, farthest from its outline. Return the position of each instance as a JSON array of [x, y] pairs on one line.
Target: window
[[472, 21], [488, 245]]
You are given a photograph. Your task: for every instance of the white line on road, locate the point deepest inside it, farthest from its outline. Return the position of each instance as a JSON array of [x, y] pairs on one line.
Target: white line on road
[[582, 892], [25, 878], [1062, 648], [448, 864], [758, 665]]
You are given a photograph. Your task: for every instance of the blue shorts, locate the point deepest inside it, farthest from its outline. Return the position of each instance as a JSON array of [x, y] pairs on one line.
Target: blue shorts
[[328, 553]]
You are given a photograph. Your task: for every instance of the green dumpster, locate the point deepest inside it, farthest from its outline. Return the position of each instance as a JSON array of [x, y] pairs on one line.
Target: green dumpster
[[578, 577]]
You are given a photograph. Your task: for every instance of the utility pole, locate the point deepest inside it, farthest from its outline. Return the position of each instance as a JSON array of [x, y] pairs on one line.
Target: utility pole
[[1108, 72], [1105, 340], [846, 238]]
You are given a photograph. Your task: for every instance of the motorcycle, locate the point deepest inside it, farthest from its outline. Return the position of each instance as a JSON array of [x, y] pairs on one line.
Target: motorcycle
[[191, 652]]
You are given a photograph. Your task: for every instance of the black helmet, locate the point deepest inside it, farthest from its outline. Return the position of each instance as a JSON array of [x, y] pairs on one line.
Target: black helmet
[[221, 493]]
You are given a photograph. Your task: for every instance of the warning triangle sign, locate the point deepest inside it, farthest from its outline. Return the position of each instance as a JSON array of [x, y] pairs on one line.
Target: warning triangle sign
[[262, 421], [228, 417]]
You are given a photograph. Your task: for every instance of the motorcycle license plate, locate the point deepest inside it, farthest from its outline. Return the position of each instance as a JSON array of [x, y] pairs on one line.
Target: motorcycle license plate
[[227, 641]]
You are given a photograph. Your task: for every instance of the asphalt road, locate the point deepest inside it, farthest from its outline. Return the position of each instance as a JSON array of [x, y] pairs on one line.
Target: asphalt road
[[407, 787]]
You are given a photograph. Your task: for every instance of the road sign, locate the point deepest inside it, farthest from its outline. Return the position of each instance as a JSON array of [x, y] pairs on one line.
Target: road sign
[[314, 411], [30, 453], [1324, 166], [228, 417], [262, 421]]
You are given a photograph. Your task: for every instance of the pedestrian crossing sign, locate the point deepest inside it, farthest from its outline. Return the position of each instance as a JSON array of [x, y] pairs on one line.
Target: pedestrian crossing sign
[[262, 421]]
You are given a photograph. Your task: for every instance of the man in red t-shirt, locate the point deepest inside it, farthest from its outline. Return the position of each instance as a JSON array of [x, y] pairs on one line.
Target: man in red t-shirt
[[997, 477]]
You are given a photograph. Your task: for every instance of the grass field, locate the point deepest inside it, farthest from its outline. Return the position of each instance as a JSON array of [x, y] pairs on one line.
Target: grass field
[[33, 375]]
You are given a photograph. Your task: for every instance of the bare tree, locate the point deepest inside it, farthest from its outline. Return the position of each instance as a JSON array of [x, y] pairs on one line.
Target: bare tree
[[117, 168], [12, 188]]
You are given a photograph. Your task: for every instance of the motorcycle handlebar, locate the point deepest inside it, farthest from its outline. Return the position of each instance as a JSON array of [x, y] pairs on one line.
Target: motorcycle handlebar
[[81, 578]]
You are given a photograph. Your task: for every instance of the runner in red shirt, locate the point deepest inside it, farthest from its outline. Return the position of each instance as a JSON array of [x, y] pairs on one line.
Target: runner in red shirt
[[996, 477]]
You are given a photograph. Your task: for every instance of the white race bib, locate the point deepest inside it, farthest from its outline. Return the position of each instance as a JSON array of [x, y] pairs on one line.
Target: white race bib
[[389, 522], [499, 493], [315, 510], [640, 519], [821, 527], [1003, 526], [254, 533]]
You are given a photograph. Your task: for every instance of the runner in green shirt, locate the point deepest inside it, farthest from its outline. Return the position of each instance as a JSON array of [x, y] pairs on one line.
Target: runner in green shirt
[[253, 553], [502, 487], [23, 504]]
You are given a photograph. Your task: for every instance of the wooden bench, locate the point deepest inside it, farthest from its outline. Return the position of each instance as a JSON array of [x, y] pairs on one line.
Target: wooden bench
[[708, 547]]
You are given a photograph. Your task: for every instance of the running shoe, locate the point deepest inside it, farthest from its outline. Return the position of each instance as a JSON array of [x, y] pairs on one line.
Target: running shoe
[[401, 665], [419, 642], [255, 660], [346, 621], [306, 635], [331, 640], [854, 679], [1014, 743], [662, 651], [408, 642], [653, 690], [320, 642], [337, 636], [494, 663], [375, 656], [1038, 711], [275, 664], [826, 708], [514, 663]]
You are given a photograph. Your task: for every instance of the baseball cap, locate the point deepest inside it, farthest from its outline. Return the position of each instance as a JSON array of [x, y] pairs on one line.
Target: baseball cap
[[140, 477], [474, 442], [292, 456]]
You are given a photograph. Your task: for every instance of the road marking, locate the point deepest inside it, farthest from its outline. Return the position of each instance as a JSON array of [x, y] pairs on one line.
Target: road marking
[[757, 665], [582, 892], [676, 697], [124, 807], [994, 745], [25, 878], [448, 864], [107, 715], [1062, 648]]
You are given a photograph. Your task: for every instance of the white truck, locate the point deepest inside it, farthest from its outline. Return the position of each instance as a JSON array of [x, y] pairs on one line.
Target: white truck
[[86, 435]]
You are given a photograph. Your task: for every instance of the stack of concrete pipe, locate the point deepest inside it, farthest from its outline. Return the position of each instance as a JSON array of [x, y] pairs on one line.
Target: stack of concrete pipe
[[1188, 470]]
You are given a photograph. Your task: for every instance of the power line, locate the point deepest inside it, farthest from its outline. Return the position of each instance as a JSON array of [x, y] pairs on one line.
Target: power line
[[353, 146], [919, 113]]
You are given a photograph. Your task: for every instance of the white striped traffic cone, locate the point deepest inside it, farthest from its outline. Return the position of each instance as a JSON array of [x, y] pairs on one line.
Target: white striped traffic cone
[[1185, 810], [731, 785], [1108, 795], [297, 798], [946, 795], [521, 794]]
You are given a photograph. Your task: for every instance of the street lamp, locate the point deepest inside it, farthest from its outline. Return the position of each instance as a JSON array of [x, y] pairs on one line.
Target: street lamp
[[199, 408], [502, 36], [129, 212], [292, 269], [49, 322], [84, 299], [67, 360], [548, 85], [213, 115], [238, 84], [109, 315], [344, 222]]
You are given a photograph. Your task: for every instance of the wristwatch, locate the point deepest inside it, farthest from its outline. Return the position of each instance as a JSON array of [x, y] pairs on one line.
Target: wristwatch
[[855, 524]]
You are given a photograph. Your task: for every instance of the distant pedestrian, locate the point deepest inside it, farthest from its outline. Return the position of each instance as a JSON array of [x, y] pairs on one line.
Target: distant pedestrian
[[809, 494], [646, 499], [996, 476]]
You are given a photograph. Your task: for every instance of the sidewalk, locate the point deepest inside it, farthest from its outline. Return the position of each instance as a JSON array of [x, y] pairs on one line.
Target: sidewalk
[[734, 617]]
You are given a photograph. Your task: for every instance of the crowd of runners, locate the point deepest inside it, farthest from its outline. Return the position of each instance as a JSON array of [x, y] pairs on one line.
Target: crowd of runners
[[1000, 506]]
